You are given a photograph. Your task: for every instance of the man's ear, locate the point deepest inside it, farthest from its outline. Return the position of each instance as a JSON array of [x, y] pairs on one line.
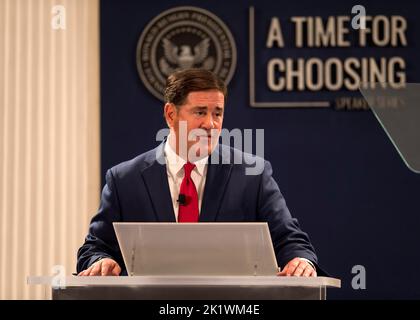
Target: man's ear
[[169, 111]]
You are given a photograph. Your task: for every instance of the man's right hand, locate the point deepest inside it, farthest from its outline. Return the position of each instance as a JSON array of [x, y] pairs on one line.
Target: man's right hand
[[103, 267]]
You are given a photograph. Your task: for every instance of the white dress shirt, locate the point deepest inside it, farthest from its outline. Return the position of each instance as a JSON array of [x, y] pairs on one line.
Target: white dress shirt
[[175, 172]]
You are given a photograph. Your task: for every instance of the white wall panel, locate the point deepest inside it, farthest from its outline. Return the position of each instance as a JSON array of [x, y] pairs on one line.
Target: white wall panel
[[49, 138]]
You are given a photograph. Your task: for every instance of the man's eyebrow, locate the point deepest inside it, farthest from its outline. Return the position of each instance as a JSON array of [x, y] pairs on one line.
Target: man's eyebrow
[[204, 108]]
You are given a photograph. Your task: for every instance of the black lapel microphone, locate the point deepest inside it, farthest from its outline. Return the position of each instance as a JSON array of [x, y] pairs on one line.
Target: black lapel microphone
[[182, 199]]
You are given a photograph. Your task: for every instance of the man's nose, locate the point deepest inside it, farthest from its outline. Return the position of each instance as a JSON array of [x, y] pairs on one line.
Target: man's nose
[[208, 122]]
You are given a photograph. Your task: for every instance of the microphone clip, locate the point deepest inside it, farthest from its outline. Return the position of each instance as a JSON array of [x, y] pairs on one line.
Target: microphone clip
[[182, 199]]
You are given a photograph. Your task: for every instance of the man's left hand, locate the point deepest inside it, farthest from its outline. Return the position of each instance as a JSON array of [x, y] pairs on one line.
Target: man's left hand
[[299, 268]]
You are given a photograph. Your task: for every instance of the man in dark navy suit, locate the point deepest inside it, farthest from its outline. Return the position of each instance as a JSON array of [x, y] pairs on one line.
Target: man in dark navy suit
[[190, 177]]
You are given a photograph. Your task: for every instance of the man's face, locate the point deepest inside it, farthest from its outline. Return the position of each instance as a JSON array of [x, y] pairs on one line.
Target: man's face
[[201, 110]]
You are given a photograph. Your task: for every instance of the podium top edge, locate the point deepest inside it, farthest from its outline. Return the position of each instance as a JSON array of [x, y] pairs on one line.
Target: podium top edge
[[223, 281]]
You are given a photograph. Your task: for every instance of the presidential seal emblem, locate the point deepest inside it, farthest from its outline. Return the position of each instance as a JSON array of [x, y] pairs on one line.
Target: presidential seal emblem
[[181, 38]]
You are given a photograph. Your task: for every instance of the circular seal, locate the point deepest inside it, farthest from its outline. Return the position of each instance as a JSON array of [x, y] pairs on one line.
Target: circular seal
[[181, 38]]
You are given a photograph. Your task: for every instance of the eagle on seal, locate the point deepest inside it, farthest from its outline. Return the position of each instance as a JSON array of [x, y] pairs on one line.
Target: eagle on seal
[[183, 56]]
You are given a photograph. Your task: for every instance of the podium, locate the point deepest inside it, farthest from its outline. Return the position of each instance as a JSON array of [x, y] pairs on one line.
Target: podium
[[187, 287]]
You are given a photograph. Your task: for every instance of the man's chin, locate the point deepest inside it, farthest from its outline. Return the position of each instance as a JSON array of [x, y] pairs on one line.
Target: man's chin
[[198, 152]]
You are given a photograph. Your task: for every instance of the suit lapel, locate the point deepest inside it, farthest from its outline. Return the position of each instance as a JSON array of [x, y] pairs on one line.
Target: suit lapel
[[156, 181], [216, 181]]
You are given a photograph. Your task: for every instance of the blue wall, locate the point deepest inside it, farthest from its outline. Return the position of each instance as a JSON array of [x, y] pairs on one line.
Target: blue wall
[[341, 176]]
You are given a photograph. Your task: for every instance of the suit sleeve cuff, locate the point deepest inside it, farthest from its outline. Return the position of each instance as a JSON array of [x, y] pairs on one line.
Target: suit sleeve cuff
[[310, 262]]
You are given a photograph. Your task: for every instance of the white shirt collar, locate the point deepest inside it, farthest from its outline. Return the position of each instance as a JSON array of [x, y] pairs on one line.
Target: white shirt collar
[[175, 163]]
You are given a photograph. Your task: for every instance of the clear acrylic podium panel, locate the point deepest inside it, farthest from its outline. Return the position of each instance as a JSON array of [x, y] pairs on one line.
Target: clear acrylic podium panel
[[398, 112], [196, 249]]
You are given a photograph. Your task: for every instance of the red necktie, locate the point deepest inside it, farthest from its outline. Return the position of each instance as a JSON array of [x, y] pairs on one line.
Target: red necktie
[[188, 203]]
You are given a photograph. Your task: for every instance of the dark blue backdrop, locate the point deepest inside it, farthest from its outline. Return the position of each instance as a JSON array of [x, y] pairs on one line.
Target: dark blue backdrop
[[339, 173]]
